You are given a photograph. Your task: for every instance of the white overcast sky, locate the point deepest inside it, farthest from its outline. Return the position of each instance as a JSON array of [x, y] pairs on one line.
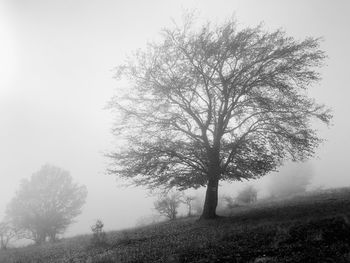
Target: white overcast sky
[[56, 76]]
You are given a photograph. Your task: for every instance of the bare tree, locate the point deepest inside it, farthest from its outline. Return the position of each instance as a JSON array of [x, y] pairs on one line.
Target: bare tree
[[216, 103], [46, 203], [167, 204], [7, 233], [187, 200]]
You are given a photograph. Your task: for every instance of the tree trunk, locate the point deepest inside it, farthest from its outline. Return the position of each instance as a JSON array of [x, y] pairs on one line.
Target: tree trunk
[[3, 245], [52, 237], [211, 196], [39, 237], [189, 210], [211, 200]]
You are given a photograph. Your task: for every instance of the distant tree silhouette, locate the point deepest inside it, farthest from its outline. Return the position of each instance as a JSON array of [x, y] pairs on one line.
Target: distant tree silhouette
[[215, 103], [187, 200], [99, 237], [7, 233], [46, 204], [167, 204]]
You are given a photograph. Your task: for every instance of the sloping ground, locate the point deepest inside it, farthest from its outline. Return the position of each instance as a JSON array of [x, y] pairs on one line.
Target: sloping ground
[[310, 228]]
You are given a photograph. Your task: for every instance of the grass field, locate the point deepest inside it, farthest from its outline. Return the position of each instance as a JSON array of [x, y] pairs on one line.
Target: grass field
[[310, 228]]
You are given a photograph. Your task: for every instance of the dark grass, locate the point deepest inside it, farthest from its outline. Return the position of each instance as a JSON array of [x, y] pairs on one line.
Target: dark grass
[[309, 228]]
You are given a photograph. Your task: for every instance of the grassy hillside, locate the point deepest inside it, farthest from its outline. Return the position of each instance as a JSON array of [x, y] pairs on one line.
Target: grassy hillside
[[310, 228]]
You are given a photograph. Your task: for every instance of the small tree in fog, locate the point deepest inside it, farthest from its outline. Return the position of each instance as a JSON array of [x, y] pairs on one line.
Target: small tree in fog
[[167, 205], [247, 195], [99, 236], [46, 204], [7, 233], [187, 200]]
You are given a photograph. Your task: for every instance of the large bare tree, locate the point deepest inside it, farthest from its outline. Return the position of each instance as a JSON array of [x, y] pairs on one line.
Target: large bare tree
[[213, 103]]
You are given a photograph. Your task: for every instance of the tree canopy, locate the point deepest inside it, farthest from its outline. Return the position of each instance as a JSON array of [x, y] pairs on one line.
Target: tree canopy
[[215, 103], [46, 203]]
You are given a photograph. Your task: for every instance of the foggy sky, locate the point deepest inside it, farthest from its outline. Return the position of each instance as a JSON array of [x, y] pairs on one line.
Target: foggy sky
[[56, 77]]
